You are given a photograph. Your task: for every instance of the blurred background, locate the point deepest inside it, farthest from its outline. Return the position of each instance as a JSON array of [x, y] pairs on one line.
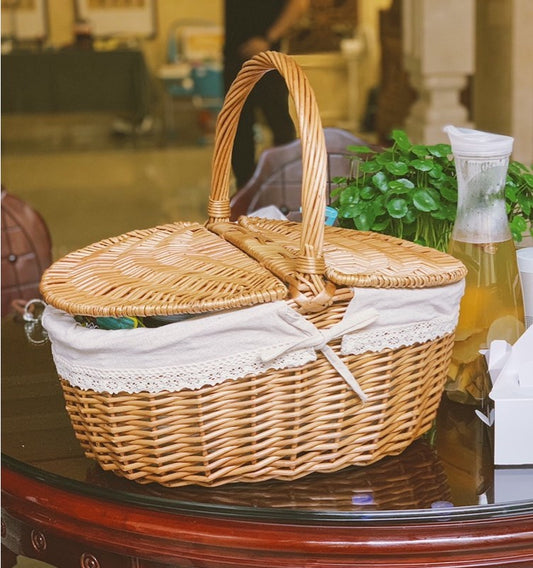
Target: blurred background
[[109, 106]]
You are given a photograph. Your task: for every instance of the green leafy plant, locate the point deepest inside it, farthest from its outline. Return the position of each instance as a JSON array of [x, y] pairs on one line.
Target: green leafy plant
[[410, 191]]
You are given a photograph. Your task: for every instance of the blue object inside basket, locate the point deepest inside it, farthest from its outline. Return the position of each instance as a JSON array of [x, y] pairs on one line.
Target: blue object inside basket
[[331, 215]]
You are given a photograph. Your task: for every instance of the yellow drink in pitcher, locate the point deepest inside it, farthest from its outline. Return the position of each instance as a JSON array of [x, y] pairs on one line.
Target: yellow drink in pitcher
[[491, 308]]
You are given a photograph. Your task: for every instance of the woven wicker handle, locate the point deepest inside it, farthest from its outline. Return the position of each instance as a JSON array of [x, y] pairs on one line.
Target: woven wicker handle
[[314, 157]]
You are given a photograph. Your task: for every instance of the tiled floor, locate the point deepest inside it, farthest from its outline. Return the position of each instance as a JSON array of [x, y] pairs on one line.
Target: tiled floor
[[89, 185]]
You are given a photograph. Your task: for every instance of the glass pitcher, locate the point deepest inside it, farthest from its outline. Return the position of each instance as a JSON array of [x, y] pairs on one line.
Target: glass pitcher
[[492, 306]]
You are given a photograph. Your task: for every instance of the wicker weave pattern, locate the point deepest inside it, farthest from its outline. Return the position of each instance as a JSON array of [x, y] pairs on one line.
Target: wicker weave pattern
[[309, 261], [415, 479], [352, 258], [283, 424], [412, 480], [175, 268]]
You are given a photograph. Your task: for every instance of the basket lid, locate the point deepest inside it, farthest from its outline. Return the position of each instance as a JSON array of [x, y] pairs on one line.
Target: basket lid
[[170, 269], [368, 259], [353, 258]]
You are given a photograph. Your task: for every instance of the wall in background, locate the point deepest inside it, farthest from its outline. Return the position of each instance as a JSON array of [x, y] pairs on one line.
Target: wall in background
[[61, 15]]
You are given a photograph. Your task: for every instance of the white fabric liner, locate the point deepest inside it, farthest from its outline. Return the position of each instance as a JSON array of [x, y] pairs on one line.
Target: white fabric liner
[[233, 344], [406, 316]]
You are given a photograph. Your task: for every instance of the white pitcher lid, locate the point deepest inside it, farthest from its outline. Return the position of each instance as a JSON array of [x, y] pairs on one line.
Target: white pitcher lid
[[476, 143]]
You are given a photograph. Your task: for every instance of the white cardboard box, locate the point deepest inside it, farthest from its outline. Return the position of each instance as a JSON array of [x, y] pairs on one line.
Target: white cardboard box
[[512, 484], [513, 405]]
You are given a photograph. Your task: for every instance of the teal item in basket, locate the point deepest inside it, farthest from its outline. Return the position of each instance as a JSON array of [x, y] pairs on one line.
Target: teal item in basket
[[125, 322], [331, 215]]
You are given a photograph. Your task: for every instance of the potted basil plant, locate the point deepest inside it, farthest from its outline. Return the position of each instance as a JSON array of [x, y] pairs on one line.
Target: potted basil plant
[[410, 191]]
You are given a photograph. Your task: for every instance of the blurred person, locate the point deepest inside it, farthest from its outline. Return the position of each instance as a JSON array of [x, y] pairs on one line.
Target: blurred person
[[253, 26]]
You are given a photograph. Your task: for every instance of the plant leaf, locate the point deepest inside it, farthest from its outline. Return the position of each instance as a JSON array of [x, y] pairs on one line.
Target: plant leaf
[[365, 216], [434, 193], [440, 150], [348, 211], [449, 192], [445, 212], [410, 216], [436, 171], [511, 192], [361, 150], [384, 157], [528, 178], [380, 181], [401, 139], [402, 185], [422, 165], [370, 167], [397, 207], [419, 150], [349, 195], [362, 222], [424, 201], [519, 223], [339, 180], [380, 226], [518, 226], [517, 168], [525, 203], [367, 192], [397, 168]]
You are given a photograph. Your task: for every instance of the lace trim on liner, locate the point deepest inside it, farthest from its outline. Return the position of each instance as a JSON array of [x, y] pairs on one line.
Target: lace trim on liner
[[375, 340], [172, 379]]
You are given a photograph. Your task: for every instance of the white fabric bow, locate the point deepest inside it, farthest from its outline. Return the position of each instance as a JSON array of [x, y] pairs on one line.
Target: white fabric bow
[[320, 340]]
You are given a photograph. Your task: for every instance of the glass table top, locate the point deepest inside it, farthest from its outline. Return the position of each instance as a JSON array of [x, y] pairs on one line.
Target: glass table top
[[448, 473]]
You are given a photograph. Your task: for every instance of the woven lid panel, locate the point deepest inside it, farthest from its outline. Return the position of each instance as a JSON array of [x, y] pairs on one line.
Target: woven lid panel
[[170, 269], [353, 258]]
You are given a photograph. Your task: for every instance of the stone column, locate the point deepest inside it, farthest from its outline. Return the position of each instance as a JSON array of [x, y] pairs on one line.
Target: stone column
[[439, 47], [503, 99], [352, 50]]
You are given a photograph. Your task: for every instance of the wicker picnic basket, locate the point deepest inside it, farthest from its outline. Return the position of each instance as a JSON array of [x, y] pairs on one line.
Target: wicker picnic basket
[[269, 420]]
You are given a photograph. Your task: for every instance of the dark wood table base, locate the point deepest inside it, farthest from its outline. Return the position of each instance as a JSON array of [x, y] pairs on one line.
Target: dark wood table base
[[67, 529]]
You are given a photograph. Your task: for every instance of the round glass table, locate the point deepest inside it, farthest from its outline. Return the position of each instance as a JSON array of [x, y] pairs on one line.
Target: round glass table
[[441, 503]]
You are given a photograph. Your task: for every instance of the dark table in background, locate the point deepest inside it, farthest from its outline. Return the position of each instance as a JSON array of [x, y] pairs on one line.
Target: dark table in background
[[76, 81], [441, 503]]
